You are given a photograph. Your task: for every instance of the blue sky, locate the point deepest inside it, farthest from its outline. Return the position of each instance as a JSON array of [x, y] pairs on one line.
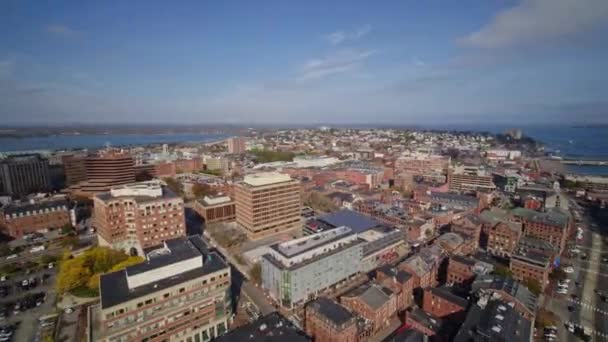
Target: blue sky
[[404, 62]]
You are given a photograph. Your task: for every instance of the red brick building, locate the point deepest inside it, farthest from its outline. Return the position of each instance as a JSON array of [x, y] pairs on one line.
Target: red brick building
[[424, 322], [441, 302], [373, 302], [400, 282], [328, 321], [553, 226], [424, 273], [502, 238], [19, 220], [460, 270]]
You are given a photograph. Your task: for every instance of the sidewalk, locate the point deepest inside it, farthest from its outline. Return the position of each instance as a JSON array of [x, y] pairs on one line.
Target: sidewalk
[[69, 301]]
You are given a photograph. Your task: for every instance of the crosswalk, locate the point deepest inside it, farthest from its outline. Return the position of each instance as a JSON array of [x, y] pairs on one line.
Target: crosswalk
[[599, 334], [588, 306]]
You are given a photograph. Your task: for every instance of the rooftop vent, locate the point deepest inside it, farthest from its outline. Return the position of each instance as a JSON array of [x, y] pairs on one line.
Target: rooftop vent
[[263, 327], [496, 329]]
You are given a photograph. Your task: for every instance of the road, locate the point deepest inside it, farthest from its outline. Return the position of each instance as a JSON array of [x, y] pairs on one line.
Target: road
[[588, 309]]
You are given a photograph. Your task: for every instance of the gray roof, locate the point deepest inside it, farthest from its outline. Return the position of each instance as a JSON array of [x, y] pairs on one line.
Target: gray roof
[[273, 327], [553, 216], [495, 321], [23, 208], [332, 311], [510, 286], [398, 274], [167, 194], [357, 222], [114, 290], [447, 294], [426, 319], [374, 295]]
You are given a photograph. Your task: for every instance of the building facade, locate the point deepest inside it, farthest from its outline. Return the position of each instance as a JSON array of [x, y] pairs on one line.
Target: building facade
[[216, 209], [267, 204], [440, 302], [137, 216], [22, 219], [469, 178], [24, 174], [180, 293], [328, 321], [294, 272], [236, 145], [373, 302]]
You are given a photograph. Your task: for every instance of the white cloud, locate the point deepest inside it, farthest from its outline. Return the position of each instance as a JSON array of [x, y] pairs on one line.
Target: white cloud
[[339, 62], [62, 30], [539, 21], [339, 37]]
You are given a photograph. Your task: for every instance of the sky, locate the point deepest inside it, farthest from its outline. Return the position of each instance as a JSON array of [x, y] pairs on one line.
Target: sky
[[359, 62]]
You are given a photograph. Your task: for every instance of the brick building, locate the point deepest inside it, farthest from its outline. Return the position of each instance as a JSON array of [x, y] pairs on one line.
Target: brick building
[[328, 321], [236, 145], [17, 220], [524, 301], [138, 216], [267, 204], [216, 209], [375, 303], [442, 303], [181, 292], [424, 322], [424, 272], [400, 282], [530, 265], [273, 326], [460, 270], [502, 238], [553, 226]]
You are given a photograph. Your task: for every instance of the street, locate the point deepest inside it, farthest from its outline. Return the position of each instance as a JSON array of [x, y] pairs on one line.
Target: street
[[582, 305]]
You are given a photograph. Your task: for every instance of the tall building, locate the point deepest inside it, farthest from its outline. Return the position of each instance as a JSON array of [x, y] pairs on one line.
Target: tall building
[[294, 271], [470, 178], [137, 216], [74, 168], [268, 203], [108, 169], [24, 174], [181, 292], [236, 145]]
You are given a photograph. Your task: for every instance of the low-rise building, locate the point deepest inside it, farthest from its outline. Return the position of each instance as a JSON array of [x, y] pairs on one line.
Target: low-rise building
[[463, 270], [424, 322], [180, 292], [470, 178], [524, 301], [530, 265], [502, 238], [442, 303], [328, 321], [17, 220], [424, 272], [374, 302], [400, 282], [219, 208], [270, 328], [493, 319], [553, 225]]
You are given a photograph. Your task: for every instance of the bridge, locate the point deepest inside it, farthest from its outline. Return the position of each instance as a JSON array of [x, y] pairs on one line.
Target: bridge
[[585, 162]]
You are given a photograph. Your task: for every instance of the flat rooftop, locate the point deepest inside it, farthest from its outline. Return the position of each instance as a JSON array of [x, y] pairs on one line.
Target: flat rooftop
[[354, 220], [114, 288], [335, 313], [265, 178], [208, 201], [273, 327], [301, 245]]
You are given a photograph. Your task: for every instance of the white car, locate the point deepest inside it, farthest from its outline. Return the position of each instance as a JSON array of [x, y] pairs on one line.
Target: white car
[[562, 291], [575, 250], [569, 269]]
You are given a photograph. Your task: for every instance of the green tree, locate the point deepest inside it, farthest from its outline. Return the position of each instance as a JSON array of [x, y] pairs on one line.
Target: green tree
[[267, 156], [201, 190], [503, 271], [319, 202], [72, 274], [176, 186], [256, 273], [533, 285]]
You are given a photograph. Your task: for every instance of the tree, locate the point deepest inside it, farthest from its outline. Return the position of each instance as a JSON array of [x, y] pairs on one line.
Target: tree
[[72, 274], [256, 273], [533, 285], [503, 271], [202, 190], [67, 229], [176, 186], [267, 156], [558, 274], [319, 202], [130, 261]]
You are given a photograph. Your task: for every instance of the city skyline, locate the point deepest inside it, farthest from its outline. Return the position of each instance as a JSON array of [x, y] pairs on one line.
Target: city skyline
[[532, 61]]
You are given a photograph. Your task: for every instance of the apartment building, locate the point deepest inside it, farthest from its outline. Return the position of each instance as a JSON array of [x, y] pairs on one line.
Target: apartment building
[[294, 271], [375, 303], [137, 216], [441, 302], [17, 220], [552, 226], [328, 321], [470, 178], [24, 174], [268, 203], [236, 145], [530, 265], [220, 208], [181, 292]]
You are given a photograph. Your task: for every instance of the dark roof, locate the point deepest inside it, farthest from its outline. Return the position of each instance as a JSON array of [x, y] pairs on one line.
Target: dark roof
[[374, 295], [464, 260], [553, 216], [425, 319], [409, 335], [180, 249], [493, 320], [338, 315], [398, 274], [273, 327], [23, 208], [510, 286], [357, 222], [447, 294], [114, 290]]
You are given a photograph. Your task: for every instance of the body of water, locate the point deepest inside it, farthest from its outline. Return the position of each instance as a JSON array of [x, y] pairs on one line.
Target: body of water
[[68, 142]]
